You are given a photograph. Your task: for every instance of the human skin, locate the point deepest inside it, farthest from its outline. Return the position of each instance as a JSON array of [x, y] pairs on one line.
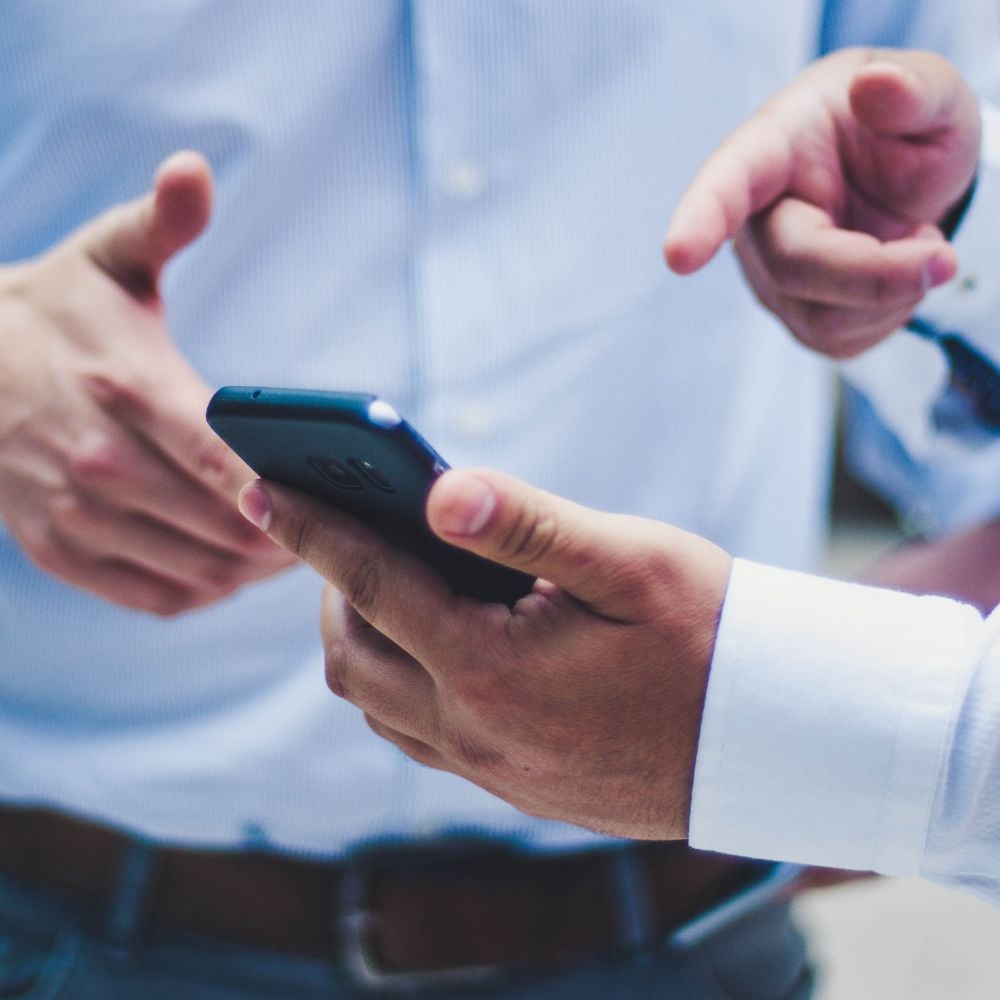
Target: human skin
[[582, 702], [834, 194], [109, 477]]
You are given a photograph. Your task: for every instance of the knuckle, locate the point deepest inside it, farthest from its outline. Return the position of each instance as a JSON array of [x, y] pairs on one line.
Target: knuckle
[[660, 571], [361, 583], [732, 211], [211, 456], [881, 286], [97, 460], [779, 259], [335, 666], [798, 273], [295, 532], [69, 515], [127, 396], [530, 535]]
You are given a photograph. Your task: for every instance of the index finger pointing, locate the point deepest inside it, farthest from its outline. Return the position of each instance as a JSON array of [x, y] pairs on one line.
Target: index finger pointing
[[747, 172]]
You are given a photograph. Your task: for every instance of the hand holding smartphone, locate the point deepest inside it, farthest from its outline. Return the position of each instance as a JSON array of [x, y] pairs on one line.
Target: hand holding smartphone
[[355, 451]]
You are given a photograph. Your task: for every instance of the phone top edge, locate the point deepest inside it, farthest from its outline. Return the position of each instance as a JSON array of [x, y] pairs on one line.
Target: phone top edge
[[243, 400], [358, 409]]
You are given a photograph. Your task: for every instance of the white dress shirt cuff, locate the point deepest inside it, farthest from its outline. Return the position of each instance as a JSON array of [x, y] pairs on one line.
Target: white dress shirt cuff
[[828, 717]]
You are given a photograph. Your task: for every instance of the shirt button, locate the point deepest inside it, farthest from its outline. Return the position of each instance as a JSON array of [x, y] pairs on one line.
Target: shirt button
[[474, 422], [969, 283], [464, 181]]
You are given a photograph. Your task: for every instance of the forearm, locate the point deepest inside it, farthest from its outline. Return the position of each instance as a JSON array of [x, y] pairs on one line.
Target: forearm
[[965, 566]]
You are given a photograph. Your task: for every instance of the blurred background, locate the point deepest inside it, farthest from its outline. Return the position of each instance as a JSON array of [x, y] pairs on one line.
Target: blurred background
[[902, 939], [893, 939]]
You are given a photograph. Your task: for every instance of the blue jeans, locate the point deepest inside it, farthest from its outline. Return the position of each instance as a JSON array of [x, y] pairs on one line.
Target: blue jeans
[[54, 946]]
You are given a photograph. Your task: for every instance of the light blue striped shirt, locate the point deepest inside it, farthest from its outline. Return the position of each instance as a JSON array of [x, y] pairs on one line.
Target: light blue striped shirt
[[458, 205]]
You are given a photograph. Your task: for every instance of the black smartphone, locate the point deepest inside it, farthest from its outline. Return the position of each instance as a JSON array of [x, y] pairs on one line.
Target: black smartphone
[[356, 452]]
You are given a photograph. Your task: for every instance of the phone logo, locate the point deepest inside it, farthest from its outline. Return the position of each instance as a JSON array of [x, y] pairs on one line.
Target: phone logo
[[345, 475], [336, 473], [373, 475]]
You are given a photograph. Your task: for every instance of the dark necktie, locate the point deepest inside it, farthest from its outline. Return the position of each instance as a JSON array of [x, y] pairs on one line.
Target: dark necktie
[[972, 373]]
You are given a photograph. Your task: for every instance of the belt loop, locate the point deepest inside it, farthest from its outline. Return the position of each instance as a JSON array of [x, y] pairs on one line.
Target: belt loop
[[628, 874], [132, 897]]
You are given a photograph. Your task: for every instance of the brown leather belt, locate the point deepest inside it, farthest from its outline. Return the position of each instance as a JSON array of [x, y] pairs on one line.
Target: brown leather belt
[[392, 912]]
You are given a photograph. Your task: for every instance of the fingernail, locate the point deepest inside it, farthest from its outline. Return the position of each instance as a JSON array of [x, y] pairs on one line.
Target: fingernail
[[468, 508], [937, 271], [255, 505]]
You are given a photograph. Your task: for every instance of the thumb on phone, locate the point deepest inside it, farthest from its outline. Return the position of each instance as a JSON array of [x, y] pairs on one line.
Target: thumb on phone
[[606, 561]]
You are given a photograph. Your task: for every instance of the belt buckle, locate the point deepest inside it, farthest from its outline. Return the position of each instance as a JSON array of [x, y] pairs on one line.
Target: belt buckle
[[357, 924]]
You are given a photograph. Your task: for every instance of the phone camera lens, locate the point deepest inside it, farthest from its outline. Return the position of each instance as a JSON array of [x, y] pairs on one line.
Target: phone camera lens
[[372, 474], [335, 472]]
